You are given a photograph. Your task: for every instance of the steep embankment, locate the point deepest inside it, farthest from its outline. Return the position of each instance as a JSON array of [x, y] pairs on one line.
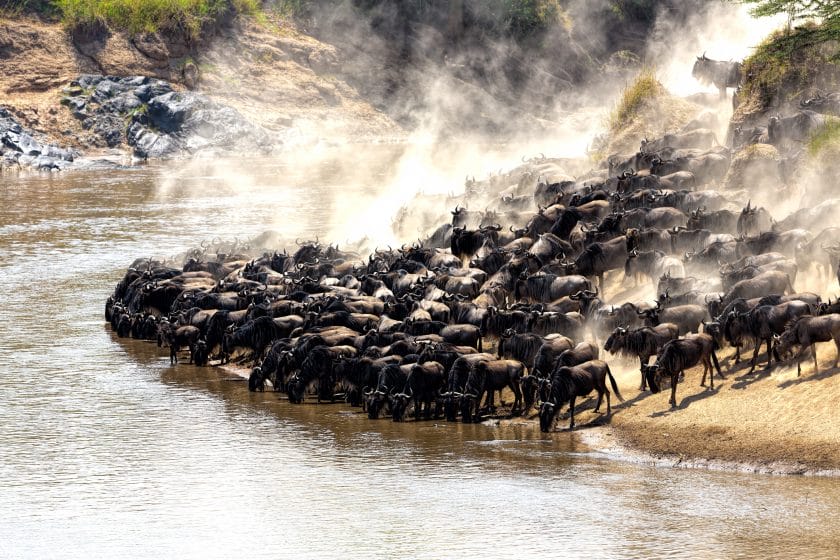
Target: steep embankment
[[278, 79]]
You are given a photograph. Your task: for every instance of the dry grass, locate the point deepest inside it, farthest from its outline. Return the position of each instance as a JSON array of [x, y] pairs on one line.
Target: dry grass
[[645, 110]]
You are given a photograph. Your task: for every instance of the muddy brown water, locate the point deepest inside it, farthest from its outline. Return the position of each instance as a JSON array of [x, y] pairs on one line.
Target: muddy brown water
[[108, 452]]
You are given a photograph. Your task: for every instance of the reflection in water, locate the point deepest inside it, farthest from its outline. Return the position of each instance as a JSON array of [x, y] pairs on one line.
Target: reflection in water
[[107, 451]]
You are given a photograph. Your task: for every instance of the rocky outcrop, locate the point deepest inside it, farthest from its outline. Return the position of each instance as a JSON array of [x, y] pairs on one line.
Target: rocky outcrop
[[22, 148], [156, 121]]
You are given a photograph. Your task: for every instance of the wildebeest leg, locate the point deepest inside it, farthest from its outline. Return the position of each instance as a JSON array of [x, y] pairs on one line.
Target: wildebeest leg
[[837, 347], [674, 379], [755, 355], [799, 358], [609, 406], [706, 367], [643, 360], [600, 398], [517, 397], [769, 353], [816, 366], [572, 413]]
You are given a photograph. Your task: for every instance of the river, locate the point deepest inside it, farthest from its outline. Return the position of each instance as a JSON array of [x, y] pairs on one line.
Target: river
[[106, 451]]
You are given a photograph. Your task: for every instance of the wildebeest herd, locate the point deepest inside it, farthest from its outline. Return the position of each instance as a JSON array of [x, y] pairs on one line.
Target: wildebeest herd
[[519, 290]]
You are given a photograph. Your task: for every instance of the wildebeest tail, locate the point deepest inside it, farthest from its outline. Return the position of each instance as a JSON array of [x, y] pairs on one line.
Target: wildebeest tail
[[480, 349], [614, 385]]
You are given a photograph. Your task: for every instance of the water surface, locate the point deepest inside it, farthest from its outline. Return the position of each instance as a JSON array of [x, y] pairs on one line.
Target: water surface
[[106, 451]]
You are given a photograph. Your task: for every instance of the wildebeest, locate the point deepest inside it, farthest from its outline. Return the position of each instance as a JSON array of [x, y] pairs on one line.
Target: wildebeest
[[391, 379], [679, 355], [522, 347], [652, 264], [489, 377], [178, 337], [771, 282], [763, 322], [797, 128], [807, 331], [548, 352], [422, 386], [721, 74], [697, 138], [642, 343], [569, 383], [583, 352], [687, 318], [722, 221], [754, 220]]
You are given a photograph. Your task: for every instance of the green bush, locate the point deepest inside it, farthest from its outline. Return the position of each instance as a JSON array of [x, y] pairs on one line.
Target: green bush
[[790, 62], [151, 15]]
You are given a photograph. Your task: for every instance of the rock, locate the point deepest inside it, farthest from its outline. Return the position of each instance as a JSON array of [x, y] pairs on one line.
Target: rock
[[151, 45], [24, 148], [147, 91], [158, 122]]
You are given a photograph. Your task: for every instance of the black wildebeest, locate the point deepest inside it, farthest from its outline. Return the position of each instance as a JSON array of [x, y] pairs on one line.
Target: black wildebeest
[[642, 343], [679, 355], [569, 383], [807, 331]]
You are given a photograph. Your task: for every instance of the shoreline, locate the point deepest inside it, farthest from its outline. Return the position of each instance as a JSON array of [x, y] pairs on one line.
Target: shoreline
[[613, 442]]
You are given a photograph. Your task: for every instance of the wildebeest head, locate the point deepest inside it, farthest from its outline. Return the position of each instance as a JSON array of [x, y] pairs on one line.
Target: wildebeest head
[[295, 389], [375, 400], [615, 339], [256, 381], [548, 412], [399, 405], [653, 376]]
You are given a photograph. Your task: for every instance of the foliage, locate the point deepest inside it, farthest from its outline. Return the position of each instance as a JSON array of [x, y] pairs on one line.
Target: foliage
[[795, 9], [16, 7], [645, 88], [787, 64], [522, 18], [152, 15], [825, 140]]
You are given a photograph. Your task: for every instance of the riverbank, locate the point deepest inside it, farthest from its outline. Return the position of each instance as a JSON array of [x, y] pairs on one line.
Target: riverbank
[[773, 422], [761, 423]]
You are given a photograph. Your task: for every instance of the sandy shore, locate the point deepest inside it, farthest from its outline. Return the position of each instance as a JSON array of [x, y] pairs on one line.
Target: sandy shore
[[771, 423]]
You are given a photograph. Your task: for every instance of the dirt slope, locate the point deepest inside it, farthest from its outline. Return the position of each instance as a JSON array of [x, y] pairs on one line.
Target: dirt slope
[[276, 77]]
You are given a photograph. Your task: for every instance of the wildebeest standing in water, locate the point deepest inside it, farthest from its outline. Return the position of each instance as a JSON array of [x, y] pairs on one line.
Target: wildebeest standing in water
[[721, 74]]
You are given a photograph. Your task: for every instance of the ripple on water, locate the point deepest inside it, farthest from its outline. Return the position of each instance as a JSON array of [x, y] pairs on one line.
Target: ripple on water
[[107, 452]]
